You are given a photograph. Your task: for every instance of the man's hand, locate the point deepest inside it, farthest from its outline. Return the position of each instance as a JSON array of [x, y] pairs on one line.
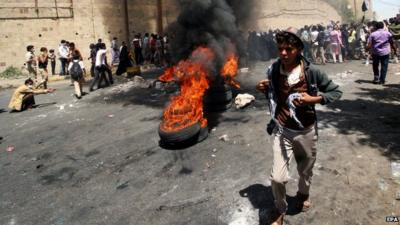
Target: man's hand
[[307, 99], [262, 86]]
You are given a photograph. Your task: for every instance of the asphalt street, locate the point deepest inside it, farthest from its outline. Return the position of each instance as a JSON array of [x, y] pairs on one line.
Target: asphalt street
[[98, 161]]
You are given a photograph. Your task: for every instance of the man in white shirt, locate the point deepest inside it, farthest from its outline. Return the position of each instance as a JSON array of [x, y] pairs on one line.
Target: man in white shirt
[[63, 53], [101, 67]]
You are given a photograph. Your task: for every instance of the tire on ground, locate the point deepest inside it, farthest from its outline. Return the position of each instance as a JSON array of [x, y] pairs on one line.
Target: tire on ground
[[180, 135]]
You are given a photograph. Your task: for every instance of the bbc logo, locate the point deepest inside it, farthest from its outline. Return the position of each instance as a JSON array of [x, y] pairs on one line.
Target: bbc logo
[[392, 219]]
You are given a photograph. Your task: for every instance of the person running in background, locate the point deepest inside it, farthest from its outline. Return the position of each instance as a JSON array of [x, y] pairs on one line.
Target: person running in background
[[381, 43], [52, 58], [336, 45], [43, 61], [101, 67], [77, 71]]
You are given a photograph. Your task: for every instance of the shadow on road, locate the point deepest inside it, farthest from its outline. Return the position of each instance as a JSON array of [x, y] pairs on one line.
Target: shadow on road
[[374, 115], [262, 199]]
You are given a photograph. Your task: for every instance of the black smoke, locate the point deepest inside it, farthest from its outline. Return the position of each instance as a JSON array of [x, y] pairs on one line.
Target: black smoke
[[210, 23]]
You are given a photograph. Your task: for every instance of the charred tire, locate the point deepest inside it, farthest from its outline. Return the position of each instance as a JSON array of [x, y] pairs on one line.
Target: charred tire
[[216, 97], [218, 107], [180, 135]]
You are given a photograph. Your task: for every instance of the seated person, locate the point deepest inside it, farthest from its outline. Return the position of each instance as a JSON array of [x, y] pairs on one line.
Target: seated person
[[23, 97]]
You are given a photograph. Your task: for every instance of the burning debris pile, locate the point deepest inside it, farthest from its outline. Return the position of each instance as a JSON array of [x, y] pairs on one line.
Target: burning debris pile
[[205, 60]]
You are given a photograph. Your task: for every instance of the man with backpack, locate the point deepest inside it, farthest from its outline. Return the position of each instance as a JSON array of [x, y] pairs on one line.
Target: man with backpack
[[293, 88], [77, 70]]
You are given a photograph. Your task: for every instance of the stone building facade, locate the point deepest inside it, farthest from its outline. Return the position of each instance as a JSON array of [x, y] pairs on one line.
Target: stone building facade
[[44, 23]]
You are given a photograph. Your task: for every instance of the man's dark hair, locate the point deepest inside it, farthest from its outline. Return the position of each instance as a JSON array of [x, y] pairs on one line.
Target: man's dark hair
[[72, 45], [43, 49], [380, 25], [51, 50], [99, 40], [29, 48], [63, 41], [92, 46], [76, 55], [28, 81], [102, 46], [288, 38]]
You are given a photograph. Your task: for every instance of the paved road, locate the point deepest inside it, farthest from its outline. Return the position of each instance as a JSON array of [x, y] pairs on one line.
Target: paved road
[[97, 160]]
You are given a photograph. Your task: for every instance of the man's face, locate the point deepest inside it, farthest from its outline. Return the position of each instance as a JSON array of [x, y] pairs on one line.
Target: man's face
[[288, 54]]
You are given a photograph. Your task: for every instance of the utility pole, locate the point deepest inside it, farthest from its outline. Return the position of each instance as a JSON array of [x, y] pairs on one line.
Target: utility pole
[[127, 33], [355, 9], [160, 28]]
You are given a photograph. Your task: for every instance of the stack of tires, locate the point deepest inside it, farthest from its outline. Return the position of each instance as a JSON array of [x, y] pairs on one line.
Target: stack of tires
[[218, 98]]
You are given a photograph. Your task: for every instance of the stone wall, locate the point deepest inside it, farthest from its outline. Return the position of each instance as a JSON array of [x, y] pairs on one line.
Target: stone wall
[[92, 19], [22, 22]]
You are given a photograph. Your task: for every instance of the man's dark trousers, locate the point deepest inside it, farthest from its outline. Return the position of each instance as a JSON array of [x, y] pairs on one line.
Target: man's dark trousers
[[384, 61]]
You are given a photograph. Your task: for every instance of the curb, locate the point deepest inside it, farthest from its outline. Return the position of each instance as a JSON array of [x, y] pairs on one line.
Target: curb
[[14, 83]]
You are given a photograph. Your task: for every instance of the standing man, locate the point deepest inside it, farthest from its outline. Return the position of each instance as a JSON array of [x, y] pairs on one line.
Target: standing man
[[380, 41], [30, 61], [63, 53], [114, 51], [293, 88]]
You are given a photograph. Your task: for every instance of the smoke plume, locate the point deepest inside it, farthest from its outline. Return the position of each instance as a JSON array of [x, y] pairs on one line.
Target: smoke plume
[[209, 23]]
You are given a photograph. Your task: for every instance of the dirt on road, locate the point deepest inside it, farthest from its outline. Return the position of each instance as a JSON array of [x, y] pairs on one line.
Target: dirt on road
[[98, 160]]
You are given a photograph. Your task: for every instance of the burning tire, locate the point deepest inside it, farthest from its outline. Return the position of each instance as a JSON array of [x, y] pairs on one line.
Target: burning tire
[[180, 136], [218, 98]]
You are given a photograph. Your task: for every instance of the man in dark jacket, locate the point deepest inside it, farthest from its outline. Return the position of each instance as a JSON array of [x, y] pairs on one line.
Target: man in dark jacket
[[293, 88]]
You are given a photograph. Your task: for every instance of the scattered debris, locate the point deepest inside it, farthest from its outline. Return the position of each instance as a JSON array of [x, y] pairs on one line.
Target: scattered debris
[[42, 116], [106, 98], [224, 138], [244, 70], [243, 100], [396, 171], [213, 155], [383, 185], [213, 130], [214, 150], [398, 195], [61, 107], [10, 148], [123, 186], [39, 166], [111, 116]]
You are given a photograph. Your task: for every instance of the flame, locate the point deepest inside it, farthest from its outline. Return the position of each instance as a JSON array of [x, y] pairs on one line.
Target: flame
[[230, 70], [192, 75], [168, 75]]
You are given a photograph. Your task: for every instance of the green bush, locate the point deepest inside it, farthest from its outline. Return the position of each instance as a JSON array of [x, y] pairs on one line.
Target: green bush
[[12, 72]]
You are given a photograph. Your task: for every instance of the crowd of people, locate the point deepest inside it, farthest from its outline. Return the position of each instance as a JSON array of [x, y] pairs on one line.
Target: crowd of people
[[143, 50], [332, 43]]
